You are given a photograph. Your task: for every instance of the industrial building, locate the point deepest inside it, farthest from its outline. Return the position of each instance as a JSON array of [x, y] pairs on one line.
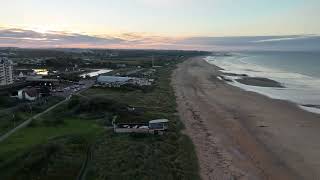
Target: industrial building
[[117, 81]]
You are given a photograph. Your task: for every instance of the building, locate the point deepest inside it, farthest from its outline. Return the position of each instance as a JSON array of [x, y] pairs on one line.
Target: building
[[121, 65], [30, 94], [117, 81], [112, 79], [158, 126], [6, 71]]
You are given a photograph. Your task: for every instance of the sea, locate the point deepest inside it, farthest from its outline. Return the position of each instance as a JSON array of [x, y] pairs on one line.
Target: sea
[[298, 72]]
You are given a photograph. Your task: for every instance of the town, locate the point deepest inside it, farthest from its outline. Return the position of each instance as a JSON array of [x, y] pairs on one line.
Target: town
[[32, 78]]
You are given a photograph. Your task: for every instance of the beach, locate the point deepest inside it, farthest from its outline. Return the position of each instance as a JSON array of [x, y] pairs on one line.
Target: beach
[[244, 135]]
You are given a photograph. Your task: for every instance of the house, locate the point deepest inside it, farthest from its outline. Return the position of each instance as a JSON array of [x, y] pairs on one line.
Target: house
[[30, 94], [23, 73], [121, 65], [157, 126]]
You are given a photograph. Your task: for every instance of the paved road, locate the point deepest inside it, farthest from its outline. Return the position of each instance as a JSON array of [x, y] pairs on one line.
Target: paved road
[[73, 89]]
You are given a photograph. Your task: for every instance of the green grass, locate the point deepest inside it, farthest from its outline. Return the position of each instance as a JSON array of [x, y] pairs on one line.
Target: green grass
[[7, 123], [24, 140], [22, 112], [134, 157]]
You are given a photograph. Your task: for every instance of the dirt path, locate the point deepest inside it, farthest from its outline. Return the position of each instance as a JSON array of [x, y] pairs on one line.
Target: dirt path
[[243, 135]]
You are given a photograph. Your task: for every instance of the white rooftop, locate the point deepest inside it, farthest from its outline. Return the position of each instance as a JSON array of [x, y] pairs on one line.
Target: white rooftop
[[112, 79], [159, 121]]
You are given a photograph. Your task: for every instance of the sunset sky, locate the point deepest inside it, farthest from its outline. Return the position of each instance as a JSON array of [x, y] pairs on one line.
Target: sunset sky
[[165, 24]]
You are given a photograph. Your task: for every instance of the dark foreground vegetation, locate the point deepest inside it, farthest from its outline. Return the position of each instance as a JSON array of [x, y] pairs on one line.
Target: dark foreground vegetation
[[77, 138]]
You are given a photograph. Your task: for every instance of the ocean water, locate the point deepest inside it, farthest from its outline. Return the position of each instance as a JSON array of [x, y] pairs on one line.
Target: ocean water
[[299, 72]]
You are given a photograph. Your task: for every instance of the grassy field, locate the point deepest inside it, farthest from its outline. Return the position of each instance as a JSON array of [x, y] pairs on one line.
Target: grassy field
[[16, 149], [54, 146], [20, 111]]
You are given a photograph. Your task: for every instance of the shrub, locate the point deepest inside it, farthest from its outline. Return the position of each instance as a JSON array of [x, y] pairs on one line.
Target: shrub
[[75, 101], [8, 101], [53, 121]]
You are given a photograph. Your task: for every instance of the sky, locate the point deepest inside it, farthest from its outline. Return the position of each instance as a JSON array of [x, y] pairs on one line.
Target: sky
[[163, 24]]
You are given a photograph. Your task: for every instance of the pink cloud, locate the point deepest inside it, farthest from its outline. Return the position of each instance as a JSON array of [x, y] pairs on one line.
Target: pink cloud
[[31, 39]]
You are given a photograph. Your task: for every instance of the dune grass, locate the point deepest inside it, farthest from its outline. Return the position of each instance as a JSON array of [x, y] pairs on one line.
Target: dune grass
[[24, 141], [131, 157]]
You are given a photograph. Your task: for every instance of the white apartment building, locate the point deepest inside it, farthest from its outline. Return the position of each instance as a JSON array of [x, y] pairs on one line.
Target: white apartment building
[[6, 71]]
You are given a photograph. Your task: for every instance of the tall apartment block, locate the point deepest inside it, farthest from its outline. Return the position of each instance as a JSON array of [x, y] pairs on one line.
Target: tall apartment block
[[6, 71]]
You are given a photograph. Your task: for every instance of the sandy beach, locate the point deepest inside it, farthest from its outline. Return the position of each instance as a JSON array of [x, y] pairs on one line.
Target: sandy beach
[[244, 135]]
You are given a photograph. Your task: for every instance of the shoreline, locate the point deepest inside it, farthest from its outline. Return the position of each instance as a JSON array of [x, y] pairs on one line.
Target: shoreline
[[251, 83], [245, 79], [242, 134], [251, 74]]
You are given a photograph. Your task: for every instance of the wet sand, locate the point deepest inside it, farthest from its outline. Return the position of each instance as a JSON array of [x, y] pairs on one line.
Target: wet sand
[[244, 135]]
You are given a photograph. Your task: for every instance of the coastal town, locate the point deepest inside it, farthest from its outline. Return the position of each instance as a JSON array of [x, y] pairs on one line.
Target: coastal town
[[81, 113], [159, 90], [31, 82]]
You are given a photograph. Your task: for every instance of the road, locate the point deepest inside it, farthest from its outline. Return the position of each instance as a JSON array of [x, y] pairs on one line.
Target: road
[[67, 91]]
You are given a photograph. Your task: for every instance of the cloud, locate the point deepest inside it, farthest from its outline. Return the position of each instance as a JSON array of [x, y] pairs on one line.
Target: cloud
[[286, 38], [16, 37], [291, 42], [145, 38], [29, 38], [164, 3], [26, 38]]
